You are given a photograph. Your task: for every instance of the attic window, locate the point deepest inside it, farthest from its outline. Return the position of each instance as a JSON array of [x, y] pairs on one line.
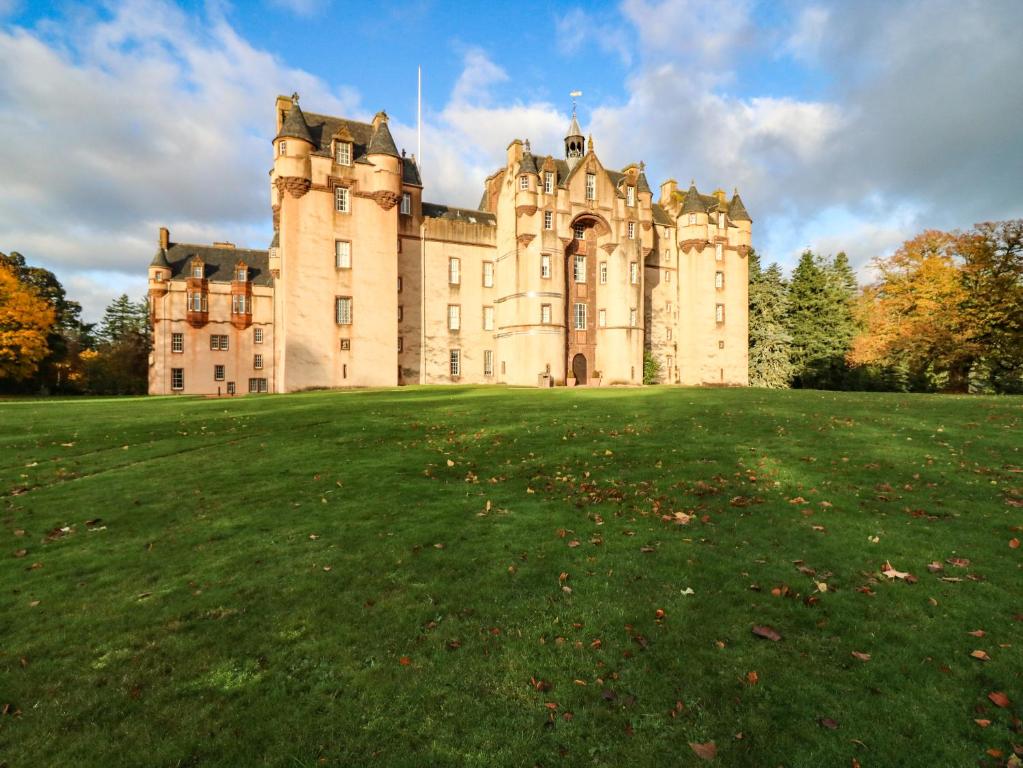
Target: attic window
[[343, 153], [630, 196], [242, 275], [197, 270]]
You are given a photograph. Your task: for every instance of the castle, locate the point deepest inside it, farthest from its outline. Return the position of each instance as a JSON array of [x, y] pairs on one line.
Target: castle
[[566, 274]]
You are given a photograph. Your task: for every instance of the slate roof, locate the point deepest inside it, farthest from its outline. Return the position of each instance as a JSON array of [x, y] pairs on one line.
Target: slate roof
[[694, 202], [219, 262], [574, 129], [642, 185], [410, 172], [528, 164], [737, 211], [159, 260], [451, 213], [381, 142], [661, 216], [294, 125]]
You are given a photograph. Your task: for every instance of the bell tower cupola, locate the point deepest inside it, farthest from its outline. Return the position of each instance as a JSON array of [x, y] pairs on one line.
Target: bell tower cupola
[[574, 143]]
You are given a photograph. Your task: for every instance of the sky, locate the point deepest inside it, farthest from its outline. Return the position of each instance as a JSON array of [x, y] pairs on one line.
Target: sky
[[845, 126]]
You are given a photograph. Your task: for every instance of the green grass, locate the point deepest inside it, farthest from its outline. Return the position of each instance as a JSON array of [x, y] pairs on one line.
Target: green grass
[[261, 568]]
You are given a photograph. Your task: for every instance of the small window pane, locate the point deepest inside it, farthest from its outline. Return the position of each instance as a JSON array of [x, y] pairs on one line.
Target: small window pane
[[456, 362], [342, 254], [580, 317], [579, 269]]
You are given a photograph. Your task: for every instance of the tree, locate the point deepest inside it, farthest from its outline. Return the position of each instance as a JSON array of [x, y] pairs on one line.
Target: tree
[[120, 363], [913, 317], [651, 369], [992, 276], [25, 322], [770, 345], [820, 320]]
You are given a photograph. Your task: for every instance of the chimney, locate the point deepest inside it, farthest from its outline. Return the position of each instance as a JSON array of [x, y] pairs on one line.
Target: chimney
[[281, 108], [223, 245], [164, 238], [514, 152], [668, 190], [379, 117]]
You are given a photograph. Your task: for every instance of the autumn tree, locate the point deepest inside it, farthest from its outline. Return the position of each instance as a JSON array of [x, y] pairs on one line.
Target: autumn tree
[[25, 322], [770, 345]]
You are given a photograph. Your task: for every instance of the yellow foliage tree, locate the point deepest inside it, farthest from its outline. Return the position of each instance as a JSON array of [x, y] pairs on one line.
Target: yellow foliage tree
[[25, 321], [914, 315]]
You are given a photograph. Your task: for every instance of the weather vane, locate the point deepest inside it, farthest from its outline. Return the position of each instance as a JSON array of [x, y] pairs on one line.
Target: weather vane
[[575, 95]]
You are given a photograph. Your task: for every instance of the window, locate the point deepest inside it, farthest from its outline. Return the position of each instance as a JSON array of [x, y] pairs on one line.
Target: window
[[523, 182], [667, 276], [545, 266], [578, 231], [230, 387], [602, 317], [343, 310], [406, 203], [669, 334], [579, 268], [548, 182], [603, 273], [667, 308], [401, 344], [257, 362], [488, 362], [591, 186], [346, 346], [721, 344], [548, 220], [692, 218], [670, 365], [400, 283], [455, 362], [283, 148], [197, 271], [634, 272], [219, 342], [239, 304], [488, 318], [632, 230], [241, 275], [633, 317], [488, 274], [218, 373], [719, 253], [667, 256], [177, 378], [719, 279], [342, 254], [454, 317], [721, 221], [177, 342], [197, 302], [344, 370], [545, 314], [342, 200], [454, 271], [630, 196], [257, 385], [719, 313], [579, 313], [343, 153], [401, 312]]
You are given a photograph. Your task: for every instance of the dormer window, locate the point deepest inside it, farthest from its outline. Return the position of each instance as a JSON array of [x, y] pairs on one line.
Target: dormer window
[[282, 148], [343, 153], [630, 196], [548, 182], [591, 186], [197, 270], [242, 274]]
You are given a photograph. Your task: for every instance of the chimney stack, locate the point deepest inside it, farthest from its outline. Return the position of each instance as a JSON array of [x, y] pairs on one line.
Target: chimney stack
[[164, 238]]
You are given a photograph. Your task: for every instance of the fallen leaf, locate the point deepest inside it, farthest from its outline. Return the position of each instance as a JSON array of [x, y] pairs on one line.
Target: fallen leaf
[[958, 562], [983, 723], [573, 544], [451, 463], [999, 699], [861, 656], [404, 661], [935, 567], [752, 678], [20, 552], [707, 751], [892, 573], [768, 633], [982, 655], [977, 633], [995, 752], [827, 722], [1013, 543], [659, 613]]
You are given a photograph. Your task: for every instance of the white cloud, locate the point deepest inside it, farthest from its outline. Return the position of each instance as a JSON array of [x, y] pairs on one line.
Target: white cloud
[[808, 35]]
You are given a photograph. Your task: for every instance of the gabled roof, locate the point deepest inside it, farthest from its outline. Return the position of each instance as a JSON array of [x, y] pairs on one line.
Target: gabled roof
[[381, 142], [661, 216], [294, 125], [451, 213], [736, 210], [219, 262]]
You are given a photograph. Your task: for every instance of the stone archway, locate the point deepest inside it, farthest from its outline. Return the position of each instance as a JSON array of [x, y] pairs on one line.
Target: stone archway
[[579, 369]]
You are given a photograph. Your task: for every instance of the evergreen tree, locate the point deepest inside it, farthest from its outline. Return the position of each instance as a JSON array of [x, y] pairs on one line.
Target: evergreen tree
[[820, 321], [770, 345], [121, 360]]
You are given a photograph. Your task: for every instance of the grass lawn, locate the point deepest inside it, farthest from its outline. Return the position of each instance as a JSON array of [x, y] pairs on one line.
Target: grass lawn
[[482, 577]]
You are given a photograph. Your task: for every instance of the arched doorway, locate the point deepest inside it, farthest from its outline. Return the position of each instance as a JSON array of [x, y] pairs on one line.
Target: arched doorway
[[579, 368]]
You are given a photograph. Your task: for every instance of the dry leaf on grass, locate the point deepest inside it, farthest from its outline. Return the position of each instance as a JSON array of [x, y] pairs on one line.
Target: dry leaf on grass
[[707, 751], [767, 633]]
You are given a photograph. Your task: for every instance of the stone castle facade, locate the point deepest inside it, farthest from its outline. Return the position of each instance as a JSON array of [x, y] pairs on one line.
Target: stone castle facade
[[566, 274]]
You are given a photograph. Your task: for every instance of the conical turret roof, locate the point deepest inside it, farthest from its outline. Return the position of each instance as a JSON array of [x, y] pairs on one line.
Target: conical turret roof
[[528, 164], [294, 126], [574, 129], [160, 260], [692, 202], [736, 210], [382, 143]]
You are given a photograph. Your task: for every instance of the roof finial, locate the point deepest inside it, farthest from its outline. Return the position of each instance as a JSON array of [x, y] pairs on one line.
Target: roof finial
[[294, 97], [589, 143], [642, 166], [574, 95], [526, 143]]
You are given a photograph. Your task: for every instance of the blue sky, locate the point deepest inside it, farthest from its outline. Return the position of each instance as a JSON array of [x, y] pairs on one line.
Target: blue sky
[[845, 125]]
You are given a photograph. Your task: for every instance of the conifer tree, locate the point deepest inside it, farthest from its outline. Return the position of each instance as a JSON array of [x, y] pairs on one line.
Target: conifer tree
[[770, 345]]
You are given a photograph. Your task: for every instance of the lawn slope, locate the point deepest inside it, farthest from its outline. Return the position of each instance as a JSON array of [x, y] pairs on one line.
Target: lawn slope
[[471, 576]]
